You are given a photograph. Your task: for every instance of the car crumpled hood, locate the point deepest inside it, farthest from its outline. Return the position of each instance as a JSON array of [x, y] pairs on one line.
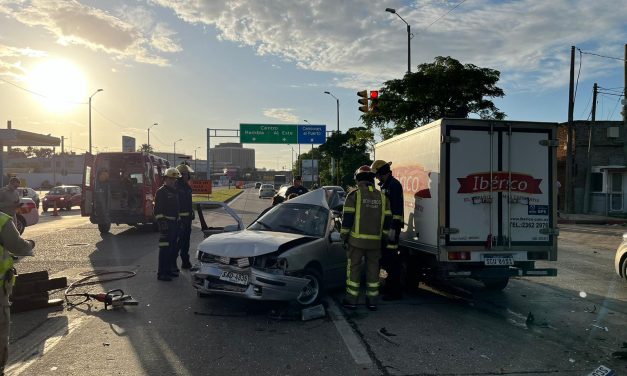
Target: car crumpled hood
[[246, 243]]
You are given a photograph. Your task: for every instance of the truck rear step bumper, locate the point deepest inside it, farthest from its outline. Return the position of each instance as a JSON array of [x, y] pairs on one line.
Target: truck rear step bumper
[[499, 273]]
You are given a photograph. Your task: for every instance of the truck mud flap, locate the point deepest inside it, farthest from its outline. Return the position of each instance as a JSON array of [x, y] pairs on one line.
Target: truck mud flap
[[498, 273]]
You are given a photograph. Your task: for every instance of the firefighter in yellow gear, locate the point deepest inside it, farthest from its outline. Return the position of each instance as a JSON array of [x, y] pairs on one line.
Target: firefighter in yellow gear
[[366, 218], [11, 243]]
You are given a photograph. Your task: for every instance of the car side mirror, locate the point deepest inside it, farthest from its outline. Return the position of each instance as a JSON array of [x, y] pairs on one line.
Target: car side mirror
[[335, 237]]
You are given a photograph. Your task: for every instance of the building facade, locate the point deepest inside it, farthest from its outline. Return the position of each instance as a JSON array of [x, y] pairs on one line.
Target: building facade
[[231, 156], [599, 183]]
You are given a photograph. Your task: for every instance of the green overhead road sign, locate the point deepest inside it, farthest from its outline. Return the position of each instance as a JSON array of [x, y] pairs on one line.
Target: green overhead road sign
[[268, 134]]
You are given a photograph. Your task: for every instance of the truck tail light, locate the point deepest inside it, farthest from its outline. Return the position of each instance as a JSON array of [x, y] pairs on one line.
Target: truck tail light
[[459, 255]]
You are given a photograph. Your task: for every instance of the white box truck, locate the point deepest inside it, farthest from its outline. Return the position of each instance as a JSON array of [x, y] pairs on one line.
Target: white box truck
[[479, 197]]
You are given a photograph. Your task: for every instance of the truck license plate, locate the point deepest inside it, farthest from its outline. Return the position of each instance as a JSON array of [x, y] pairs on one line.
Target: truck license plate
[[240, 279], [499, 261]]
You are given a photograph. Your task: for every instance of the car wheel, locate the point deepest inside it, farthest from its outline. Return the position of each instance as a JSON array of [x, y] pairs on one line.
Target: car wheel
[[495, 284], [104, 227], [312, 292], [21, 224], [624, 268]]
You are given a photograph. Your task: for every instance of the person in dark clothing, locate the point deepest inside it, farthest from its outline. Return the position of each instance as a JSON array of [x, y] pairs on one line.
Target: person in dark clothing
[[297, 187], [166, 213], [391, 260], [186, 214]]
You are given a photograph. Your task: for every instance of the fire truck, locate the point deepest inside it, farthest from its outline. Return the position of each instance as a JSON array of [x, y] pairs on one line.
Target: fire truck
[[120, 188]]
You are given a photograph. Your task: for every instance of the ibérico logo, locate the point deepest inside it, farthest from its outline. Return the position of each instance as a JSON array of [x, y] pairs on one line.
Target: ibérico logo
[[500, 183], [414, 179]]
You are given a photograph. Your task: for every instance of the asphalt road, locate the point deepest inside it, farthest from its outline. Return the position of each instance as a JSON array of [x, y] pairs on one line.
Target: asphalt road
[[568, 324]]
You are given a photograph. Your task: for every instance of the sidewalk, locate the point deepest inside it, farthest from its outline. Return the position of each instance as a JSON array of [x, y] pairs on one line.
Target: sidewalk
[[590, 219]]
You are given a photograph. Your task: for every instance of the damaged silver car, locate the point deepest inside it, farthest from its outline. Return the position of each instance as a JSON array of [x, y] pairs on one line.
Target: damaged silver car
[[290, 253]]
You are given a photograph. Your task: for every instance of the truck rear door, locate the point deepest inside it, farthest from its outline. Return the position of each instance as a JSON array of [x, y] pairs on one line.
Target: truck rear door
[[87, 198], [499, 185]]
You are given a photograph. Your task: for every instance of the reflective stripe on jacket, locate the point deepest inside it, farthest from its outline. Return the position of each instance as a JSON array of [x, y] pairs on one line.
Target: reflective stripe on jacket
[[366, 216], [6, 263], [185, 198]]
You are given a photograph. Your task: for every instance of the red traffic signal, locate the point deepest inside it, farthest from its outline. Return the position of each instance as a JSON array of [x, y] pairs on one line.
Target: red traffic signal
[[374, 94]]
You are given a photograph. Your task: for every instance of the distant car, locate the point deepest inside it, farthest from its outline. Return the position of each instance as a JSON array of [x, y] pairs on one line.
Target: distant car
[[27, 214], [257, 185], [620, 261], [30, 193], [266, 190], [65, 197]]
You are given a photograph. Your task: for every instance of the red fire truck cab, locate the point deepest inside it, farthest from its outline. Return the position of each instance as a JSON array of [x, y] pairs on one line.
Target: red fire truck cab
[[120, 188]]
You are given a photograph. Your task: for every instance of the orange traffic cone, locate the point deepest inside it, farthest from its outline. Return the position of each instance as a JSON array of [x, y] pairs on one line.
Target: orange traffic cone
[[55, 212]]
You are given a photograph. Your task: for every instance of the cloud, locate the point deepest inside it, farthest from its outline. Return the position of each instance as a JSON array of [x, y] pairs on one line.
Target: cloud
[[131, 35], [364, 46], [283, 114], [10, 63]]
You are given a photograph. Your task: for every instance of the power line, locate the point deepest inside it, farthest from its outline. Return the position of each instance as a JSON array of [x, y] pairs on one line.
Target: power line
[[578, 73], [39, 94], [615, 107], [442, 16], [599, 55], [586, 108]]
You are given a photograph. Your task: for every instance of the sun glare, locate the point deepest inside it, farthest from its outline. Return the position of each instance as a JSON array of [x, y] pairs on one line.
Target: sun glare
[[60, 85]]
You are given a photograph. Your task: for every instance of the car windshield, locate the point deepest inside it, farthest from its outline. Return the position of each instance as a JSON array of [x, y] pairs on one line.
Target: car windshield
[[267, 186], [310, 220], [58, 191]]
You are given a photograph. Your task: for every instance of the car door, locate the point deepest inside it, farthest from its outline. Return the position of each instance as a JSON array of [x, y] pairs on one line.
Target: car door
[[76, 196]]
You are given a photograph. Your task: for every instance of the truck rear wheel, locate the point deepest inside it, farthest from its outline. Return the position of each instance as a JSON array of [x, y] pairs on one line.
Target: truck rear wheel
[[495, 284], [104, 227]]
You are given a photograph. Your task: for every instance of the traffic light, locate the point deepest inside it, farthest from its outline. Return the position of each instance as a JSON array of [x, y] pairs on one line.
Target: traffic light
[[374, 100], [363, 101]]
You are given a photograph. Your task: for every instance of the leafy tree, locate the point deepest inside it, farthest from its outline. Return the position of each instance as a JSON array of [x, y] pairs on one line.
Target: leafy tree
[[145, 148], [43, 152], [444, 88], [349, 150], [17, 153]]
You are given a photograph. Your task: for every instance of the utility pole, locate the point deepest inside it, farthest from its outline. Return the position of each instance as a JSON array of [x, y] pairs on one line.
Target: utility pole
[[568, 181], [587, 196], [62, 144]]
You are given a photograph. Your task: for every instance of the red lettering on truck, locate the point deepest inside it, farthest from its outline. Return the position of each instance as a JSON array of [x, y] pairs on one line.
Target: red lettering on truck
[[480, 182]]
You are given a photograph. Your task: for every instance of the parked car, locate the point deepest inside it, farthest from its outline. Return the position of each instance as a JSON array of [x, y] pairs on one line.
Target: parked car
[[266, 190], [27, 214], [65, 197], [30, 193], [291, 253], [257, 185], [620, 261]]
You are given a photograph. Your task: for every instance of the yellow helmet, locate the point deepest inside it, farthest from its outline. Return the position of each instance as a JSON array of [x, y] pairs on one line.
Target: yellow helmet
[[172, 173], [380, 165], [183, 168]]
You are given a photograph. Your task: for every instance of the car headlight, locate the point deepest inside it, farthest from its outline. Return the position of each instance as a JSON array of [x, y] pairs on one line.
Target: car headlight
[[45, 198], [61, 199], [205, 257]]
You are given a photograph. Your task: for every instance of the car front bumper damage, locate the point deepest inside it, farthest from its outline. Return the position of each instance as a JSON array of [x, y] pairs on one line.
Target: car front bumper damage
[[261, 285]]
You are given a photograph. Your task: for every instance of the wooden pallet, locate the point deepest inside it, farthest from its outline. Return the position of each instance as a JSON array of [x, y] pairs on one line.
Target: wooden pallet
[[31, 291]]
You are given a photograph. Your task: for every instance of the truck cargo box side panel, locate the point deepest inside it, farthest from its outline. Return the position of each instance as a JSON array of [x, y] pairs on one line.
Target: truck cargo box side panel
[[472, 204], [415, 158], [529, 206]]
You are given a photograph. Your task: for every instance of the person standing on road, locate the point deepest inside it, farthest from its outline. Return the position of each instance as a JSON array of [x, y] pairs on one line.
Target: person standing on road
[[366, 217], [10, 198], [11, 243], [296, 187], [166, 213], [186, 214], [391, 261]]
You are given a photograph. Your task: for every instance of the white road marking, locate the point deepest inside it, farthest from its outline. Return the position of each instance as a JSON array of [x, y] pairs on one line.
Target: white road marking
[[352, 342], [40, 342]]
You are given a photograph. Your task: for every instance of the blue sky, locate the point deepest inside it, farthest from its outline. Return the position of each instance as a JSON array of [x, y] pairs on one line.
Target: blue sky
[[192, 65]]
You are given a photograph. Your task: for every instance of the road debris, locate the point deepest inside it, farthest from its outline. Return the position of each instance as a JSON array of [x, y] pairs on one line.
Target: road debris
[[601, 327], [593, 310], [312, 313], [383, 333]]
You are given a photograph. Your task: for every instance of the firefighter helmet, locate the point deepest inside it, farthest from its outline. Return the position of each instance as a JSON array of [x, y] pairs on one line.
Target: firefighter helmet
[[364, 173], [172, 173], [183, 168], [380, 167]]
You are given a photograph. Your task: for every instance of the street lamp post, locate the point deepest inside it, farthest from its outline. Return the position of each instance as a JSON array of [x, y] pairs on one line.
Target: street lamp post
[[198, 147], [96, 92], [337, 101], [393, 11], [174, 156], [149, 134]]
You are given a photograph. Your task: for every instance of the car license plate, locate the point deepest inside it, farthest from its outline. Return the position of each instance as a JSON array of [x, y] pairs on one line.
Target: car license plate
[[499, 261], [240, 279]]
